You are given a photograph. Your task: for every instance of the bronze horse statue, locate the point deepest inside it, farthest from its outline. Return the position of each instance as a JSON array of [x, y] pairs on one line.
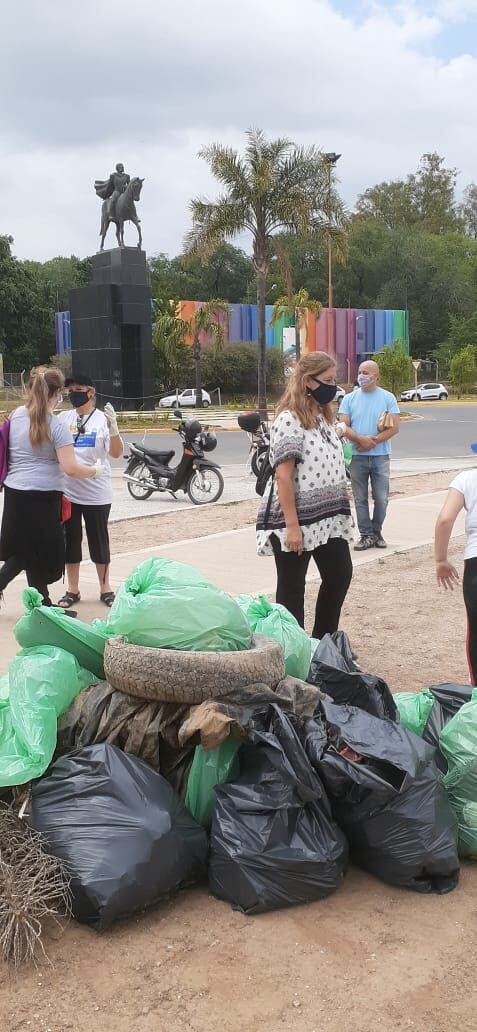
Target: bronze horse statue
[[124, 211]]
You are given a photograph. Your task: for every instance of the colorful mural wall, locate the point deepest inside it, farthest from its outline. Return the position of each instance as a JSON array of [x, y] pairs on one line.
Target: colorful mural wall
[[348, 333]]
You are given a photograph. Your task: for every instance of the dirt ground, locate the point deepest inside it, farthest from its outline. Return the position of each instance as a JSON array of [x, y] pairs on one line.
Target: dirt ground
[[193, 523], [368, 958]]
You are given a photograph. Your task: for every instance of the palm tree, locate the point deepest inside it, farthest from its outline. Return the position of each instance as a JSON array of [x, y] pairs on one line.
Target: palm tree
[[297, 305], [168, 342], [206, 321], [275, 187]]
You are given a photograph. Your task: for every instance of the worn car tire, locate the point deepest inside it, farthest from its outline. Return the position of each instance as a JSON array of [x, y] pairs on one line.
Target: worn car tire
[[169, 675]]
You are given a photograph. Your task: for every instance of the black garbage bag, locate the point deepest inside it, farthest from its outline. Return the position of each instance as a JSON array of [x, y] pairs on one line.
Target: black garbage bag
[[449, 698], [126, 837], [273, 839], [334, 671], [387, 797]]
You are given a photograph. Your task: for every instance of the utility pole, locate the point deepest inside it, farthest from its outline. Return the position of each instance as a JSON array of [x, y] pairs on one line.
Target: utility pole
[[330, 160]]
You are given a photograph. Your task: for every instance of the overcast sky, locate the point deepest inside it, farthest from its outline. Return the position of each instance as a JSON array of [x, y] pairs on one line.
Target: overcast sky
[[148, 82]]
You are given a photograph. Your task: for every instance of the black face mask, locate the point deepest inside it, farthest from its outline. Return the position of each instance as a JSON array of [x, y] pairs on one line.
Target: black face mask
[[78, 398], [324, 393]]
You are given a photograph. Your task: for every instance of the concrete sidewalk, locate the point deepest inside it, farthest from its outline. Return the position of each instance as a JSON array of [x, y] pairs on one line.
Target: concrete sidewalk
[[229, 559]]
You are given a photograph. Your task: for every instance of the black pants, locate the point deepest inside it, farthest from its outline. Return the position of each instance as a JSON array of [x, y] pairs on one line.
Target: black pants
[[336, 570], [96, 525], [470, 599], [12, 567]]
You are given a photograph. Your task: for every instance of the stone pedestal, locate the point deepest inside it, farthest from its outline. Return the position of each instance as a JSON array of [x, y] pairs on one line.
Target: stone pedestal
[[111, 329]]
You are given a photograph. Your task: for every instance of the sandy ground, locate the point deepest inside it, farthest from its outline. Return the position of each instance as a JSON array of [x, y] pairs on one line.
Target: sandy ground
[[368, 958], [165, 529]]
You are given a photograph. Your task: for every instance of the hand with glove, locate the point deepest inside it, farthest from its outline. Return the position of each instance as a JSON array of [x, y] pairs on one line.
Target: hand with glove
[[111, 420], [98, 469]]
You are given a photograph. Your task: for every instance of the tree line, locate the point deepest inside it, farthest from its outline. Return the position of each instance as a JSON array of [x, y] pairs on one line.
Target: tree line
[[409, 244]]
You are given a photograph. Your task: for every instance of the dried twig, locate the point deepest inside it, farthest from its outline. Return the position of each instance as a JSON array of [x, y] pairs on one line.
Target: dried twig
[[33, 886]]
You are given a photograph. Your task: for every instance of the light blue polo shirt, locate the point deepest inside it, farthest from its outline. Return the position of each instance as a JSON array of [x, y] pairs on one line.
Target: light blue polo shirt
[[364, 409]]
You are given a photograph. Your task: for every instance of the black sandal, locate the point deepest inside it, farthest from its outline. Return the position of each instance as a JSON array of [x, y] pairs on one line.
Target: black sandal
[[108, 598], [69, 599]]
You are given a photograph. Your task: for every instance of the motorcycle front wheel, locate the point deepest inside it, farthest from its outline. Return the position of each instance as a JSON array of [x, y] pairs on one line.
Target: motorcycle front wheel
[[137, 491], [258, 458], [205, 485]]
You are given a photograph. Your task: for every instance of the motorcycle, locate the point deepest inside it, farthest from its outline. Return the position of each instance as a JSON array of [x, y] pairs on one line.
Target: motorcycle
[[148, 470], [259, 436]]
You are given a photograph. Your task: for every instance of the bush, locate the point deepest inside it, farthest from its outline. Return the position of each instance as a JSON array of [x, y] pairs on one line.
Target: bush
[[234, 369]]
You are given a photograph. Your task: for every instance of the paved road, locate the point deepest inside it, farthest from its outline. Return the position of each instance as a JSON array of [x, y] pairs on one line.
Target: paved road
[[440, 431]]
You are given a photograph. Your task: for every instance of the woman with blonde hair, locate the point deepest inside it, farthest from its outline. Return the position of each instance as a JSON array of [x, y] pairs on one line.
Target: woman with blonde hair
[[40, 450], [307, 513]]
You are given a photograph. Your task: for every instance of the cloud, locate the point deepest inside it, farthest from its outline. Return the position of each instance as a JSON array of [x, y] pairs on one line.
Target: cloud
[[148, 84]]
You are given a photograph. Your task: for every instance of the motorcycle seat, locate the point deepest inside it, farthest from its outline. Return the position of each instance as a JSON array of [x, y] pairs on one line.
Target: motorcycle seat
[[157, 456]]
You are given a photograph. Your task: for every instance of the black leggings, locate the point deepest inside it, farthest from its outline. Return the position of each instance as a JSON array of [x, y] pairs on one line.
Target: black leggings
[[336, 570], [470, 599], [12, 567]]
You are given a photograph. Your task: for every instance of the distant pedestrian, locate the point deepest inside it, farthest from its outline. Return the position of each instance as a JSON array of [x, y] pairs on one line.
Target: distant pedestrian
[[96, 436], [40, 451], [372, 415], [462, 494], [306, 513]]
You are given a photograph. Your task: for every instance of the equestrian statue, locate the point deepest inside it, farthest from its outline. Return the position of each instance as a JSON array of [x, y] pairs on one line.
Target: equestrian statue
[[118, 194]]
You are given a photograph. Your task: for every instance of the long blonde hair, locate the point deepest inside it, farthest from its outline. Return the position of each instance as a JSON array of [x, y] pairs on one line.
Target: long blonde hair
[[296, 397], [44, 382]]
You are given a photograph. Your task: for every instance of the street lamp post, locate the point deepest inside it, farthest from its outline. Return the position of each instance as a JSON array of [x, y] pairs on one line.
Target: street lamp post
[[330, 159]]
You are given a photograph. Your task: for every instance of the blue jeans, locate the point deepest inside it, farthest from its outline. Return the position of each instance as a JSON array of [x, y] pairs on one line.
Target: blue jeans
[[374, 468]]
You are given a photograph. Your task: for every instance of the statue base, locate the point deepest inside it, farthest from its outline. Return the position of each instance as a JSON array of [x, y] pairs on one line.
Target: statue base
[[111, 329]]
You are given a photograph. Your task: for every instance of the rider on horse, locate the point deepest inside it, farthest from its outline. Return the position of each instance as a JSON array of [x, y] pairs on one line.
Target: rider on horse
[[112, 188]]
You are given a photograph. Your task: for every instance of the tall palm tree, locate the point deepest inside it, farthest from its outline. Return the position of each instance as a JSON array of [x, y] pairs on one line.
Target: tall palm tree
[[297, 305], [275, 187], [168, 341], [206, 321]]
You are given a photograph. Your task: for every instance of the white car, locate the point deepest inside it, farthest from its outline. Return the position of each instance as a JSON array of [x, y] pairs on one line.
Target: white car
[[426, 392], [185, 399]]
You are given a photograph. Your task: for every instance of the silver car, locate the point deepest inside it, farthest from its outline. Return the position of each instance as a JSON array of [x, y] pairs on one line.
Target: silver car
[[426, 392]]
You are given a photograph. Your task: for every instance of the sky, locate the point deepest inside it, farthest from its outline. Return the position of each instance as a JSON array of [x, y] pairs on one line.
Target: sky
[[149, 82]]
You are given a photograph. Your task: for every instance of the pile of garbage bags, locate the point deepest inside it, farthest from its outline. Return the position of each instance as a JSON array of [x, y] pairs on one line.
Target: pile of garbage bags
[[446, 717], [268, 790]]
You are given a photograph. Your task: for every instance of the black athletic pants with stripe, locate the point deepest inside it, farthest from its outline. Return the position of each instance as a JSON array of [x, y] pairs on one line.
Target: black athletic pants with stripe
[[470, 599]]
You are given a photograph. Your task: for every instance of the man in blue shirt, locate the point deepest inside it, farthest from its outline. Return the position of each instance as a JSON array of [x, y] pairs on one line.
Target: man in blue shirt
[[362, 411]]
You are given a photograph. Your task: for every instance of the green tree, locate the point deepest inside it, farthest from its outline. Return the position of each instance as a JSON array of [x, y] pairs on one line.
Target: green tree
[[425, 198], [276, 186], [463, 370], [468, 210], [394, 367], [206, 321], [297, 305], [172, 357], [228, 274], [21, 315]]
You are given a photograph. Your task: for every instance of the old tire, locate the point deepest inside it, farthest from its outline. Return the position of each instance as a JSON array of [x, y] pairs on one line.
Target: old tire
[[167, 675]]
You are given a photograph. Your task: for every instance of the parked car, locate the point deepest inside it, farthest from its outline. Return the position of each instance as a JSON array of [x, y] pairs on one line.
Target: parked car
[[426, 392], [340, 394], [185, 399]]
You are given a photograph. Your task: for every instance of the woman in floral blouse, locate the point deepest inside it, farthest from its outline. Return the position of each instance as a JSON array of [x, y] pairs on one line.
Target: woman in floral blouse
[[308, 514]]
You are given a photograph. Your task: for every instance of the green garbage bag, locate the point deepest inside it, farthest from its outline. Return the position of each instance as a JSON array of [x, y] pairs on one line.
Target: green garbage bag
[[347, 452], [40, 685], [276, 622], [170, 605], [217, 767], [414, 709], [458, 743], [49, 625]]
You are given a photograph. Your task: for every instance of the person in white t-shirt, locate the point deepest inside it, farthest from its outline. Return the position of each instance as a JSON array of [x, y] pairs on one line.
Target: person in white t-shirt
[[462, 495], [95, 436]]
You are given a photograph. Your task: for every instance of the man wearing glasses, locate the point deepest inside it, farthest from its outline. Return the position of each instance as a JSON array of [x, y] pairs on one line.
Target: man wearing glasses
[[95, 436]]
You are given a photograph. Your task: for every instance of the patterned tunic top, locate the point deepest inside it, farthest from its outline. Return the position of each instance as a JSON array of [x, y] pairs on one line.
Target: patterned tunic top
[[321, 494]]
